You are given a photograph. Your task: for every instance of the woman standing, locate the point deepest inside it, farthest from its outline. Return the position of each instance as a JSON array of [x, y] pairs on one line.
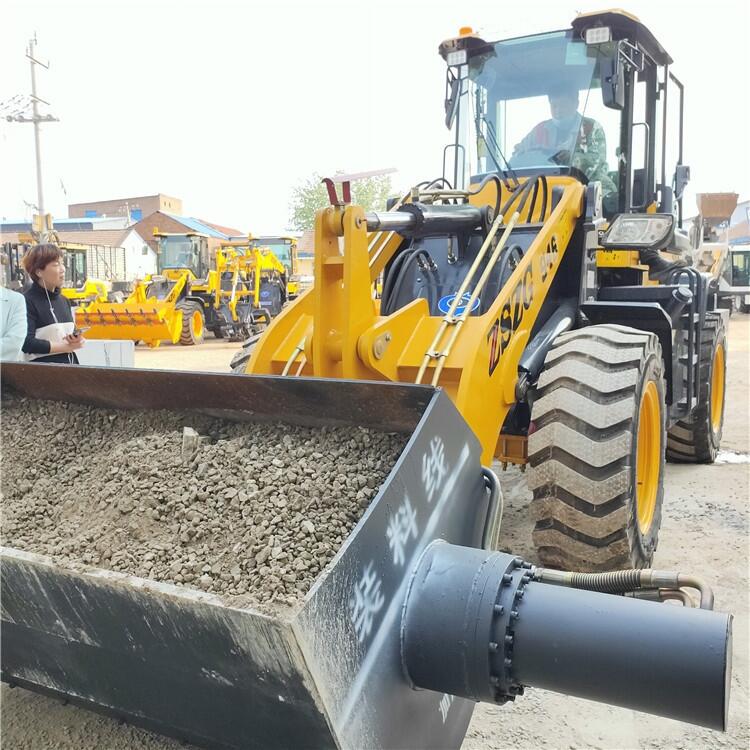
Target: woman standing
[[50, 336]]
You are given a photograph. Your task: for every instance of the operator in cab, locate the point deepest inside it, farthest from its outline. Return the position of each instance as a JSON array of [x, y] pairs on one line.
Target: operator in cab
[[569, 139]]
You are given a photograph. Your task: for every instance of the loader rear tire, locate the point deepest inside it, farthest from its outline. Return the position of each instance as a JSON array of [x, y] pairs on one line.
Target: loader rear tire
[[697, 438], [193, 323], [596, 453]]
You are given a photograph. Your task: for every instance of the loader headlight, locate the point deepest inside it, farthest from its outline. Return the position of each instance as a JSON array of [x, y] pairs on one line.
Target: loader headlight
[[598, 35], [458, 57], [639, 231]]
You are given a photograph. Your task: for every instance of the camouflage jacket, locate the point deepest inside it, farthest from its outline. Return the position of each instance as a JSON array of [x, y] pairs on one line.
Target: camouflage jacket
[[589, 154]]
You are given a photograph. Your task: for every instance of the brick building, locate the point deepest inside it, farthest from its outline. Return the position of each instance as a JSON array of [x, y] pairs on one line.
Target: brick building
[[137, 207]]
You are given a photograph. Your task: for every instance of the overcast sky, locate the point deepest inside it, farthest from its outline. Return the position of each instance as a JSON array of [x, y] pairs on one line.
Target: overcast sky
[[227, 105]]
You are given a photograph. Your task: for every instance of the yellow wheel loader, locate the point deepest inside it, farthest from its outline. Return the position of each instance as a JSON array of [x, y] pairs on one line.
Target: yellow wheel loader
[[531, 311], [154, 311], [542, 284]]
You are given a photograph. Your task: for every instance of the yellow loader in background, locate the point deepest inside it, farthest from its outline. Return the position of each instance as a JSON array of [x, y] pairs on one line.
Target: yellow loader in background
[[81, 288], [284, 247], [231, 294]]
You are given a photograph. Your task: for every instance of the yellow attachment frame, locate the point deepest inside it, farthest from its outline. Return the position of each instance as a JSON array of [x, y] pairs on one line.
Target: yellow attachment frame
[[249, 266], [335, 330]]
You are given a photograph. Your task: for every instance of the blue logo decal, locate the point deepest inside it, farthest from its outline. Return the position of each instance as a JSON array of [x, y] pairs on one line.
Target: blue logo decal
[[445, 302]]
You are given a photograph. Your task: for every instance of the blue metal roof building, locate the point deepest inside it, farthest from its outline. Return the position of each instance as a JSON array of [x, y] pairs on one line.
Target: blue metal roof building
[[198, 226]]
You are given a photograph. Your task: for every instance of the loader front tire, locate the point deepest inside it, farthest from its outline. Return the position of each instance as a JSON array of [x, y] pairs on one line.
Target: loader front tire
[[193, 323], [596, 450], [239, 362], [697, 438]]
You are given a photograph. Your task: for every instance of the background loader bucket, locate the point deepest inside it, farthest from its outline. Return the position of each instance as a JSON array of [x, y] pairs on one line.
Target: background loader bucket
[[151, 321], [327, 674]]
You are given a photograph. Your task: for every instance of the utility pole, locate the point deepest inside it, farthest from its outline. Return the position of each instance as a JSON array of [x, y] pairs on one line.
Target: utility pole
[[35, 119]]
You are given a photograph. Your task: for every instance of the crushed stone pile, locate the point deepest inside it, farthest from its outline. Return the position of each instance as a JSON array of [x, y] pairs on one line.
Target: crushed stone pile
[[252, 512]]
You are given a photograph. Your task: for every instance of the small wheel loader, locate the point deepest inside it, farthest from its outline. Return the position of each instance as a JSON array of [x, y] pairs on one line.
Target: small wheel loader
[[526, 314]]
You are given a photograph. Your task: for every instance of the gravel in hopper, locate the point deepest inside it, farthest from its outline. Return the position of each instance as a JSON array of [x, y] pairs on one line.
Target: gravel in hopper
[[253, 513]]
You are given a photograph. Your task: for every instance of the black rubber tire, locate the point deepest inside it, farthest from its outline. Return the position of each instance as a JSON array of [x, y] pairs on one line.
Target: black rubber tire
[[219, 333], [239, 361], [189, 336], [694, 440], [583, 447]]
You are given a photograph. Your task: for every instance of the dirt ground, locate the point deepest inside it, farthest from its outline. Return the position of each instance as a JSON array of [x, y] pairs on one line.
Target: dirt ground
[[213, 355], [704, 531]]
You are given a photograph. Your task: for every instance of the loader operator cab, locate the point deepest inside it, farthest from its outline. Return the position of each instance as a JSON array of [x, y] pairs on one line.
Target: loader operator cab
[[597, 101], [183, 252], [75, 268], [282, 247]]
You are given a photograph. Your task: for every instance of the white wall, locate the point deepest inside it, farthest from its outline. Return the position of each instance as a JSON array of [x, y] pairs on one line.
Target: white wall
[[741, 213], [137, 264]]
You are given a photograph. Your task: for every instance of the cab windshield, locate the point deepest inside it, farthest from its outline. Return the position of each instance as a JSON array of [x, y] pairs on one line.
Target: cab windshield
[[280, 247], [180, 252], [536, 103]]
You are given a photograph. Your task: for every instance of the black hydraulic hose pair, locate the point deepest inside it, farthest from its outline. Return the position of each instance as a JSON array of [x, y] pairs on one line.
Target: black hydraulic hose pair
[[541, 179], [532, 181], [536, 181], [397, 275], [498, 181], [404, 261], [522, 194], [390, 279], [506, 258], [628, 582]]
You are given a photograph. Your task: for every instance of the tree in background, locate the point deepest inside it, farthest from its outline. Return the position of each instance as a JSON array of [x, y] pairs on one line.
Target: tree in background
[[311, 195]]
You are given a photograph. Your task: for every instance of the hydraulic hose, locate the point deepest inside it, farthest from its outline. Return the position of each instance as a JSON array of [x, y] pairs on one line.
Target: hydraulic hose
[[532, 204], [388, 305], [390, 279], [508, 255], [628, 581], [545, 189], [490, 178]]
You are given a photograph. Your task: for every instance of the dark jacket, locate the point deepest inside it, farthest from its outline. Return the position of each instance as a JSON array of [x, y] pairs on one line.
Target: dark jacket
[[50, 318]]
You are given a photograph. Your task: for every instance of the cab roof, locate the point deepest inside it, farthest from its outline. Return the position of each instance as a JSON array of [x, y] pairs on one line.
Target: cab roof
[[624, 25]]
